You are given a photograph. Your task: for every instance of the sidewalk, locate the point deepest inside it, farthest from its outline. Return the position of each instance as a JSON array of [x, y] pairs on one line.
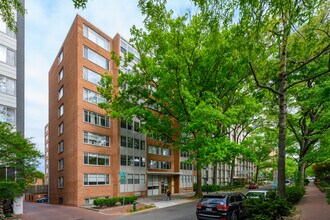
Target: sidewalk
[[313, 205], [158, 201]]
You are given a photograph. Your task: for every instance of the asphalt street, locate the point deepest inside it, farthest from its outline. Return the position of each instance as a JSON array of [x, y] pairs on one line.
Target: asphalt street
[[184, 211]]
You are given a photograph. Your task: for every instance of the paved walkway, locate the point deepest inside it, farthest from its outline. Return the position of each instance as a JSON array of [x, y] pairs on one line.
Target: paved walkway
[[314, 205]]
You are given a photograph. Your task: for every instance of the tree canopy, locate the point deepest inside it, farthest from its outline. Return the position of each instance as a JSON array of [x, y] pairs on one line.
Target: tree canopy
[[20, 157]]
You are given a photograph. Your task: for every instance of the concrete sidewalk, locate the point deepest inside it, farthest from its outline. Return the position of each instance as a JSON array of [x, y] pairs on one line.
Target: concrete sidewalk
[[160, 200], [313, 205]]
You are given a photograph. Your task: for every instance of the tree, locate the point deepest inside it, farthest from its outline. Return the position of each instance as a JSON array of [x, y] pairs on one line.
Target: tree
[[19, 156], [180, 87], [8, 8], [276, 23], [311, 121], [262, 144], [266, 30]]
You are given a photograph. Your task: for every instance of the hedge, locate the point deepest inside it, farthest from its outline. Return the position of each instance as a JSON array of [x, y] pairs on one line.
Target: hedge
[[112, 201], [215, 188], [294, 194]]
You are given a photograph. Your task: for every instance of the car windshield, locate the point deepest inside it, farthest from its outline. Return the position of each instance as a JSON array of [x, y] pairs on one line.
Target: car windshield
[[254, 194], [211, 200]]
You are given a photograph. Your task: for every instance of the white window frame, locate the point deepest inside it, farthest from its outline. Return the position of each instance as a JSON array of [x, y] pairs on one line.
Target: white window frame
[[98, 39], [96, 58]]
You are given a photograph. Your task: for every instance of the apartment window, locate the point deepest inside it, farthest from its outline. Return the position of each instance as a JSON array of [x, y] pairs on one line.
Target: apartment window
[[142, 178], [143, 145], [7, 85], [166, 152], [96, 139], [153, 164], [126, 47], [123, 141], [152, 150], [130, 142], [96, 58], [61, 147], [7, 56], [7, 114], [123, 123], [61, 182], [129, 178], [136, 126], [136, 161], [96, 159], [130, 161], [60, 93], [96, 38], [61, 164], [93, 97], [136, 144], [129, 125], [123, 160], [96, 119], [143, 161], [136, 178], [165, 165], [91, 76], [61, 128], [96, 179], [4, 28], [60, 75], [60, 57], [61, 110]]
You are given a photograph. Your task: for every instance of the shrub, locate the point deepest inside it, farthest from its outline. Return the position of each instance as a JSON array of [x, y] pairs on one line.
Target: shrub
[[269, 208], [105, 202], [328, 195], [130, 199], [306, 181], [294, 194], [210, 188]]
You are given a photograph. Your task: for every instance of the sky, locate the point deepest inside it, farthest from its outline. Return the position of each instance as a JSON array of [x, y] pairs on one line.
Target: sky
[[47, 23]]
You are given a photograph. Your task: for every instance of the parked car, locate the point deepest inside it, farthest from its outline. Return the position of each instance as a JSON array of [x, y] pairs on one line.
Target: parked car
[[224, 206], [43, 199], [256, 194], [253, 186]]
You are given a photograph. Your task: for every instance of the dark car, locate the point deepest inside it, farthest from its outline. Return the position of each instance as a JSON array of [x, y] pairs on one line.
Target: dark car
[[43, 199], [224, 206], [253, 186]]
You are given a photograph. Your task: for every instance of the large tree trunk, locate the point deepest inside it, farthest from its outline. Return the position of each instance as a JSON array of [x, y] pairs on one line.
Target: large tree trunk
[[257, 174], [282, 108], [301, 168], [199, 192]]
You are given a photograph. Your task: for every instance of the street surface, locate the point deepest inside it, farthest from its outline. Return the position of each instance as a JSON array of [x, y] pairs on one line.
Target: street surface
[[41, 211], [184, 211]]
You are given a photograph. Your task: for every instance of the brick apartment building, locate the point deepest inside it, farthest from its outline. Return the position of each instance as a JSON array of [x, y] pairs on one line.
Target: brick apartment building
[[86, 149]]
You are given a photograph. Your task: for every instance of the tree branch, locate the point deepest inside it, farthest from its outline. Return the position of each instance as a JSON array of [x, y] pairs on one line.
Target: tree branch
[[310, 78], [257, 82], [309, 60]]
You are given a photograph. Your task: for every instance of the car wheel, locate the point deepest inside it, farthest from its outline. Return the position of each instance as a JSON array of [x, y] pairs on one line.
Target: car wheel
[[234, 216]]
